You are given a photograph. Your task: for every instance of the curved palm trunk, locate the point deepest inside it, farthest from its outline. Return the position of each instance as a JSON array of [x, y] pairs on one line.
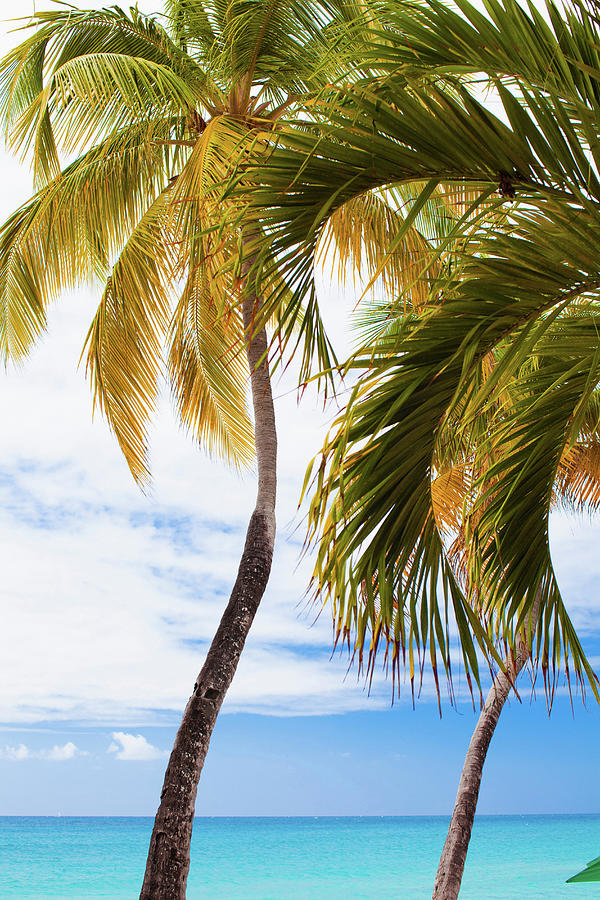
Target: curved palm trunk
[[452, 861], [169, 854]]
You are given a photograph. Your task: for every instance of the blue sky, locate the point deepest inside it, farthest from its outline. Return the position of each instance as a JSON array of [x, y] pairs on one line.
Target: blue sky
[[109, 598]]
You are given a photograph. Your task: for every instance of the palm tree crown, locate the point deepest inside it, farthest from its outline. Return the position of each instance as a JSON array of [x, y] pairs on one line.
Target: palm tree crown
[[524, 283], [159, 115]]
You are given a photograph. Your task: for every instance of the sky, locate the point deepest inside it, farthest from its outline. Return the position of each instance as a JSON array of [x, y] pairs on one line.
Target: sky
[[110, 597]]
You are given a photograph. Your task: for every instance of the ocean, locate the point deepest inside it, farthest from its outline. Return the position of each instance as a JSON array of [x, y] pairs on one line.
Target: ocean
[[511, 857]]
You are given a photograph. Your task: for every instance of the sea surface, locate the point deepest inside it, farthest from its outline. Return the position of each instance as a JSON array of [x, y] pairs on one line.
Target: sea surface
[[511, 857]]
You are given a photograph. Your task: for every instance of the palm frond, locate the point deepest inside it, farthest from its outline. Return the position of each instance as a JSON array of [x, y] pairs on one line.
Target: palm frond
[[360, 235], [209, 370], [99, 94], [72, 228], [83, 74], [578, 476], [280, 45], [124, 343]]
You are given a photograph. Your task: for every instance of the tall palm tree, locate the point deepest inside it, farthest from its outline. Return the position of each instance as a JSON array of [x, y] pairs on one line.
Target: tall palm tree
[[160, 115], [526, 286]]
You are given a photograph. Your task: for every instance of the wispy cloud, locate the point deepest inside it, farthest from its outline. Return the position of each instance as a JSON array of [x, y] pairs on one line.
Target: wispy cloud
[[134, 748], [101, 582]]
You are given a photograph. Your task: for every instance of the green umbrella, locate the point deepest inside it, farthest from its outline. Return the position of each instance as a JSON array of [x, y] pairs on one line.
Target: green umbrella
[[590, 873]]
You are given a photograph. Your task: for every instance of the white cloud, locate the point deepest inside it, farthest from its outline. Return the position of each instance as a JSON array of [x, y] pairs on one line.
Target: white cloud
[[16, 754], [58, 753], [134, 747]]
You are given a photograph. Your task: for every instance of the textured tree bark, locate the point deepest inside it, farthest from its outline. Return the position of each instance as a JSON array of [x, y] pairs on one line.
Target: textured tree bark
[[169, 854], [452, 861]]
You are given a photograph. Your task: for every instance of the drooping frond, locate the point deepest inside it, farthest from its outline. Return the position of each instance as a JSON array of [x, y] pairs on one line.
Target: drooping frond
[[72, 227], [360, 236], [425, 136], [98, 95], [125, 340], [209, 370], [501, 293], [83, 75], [578, 476], [197, 201], [420, 123], [207, 361], [509, 546], [449, 491], [373, 508]]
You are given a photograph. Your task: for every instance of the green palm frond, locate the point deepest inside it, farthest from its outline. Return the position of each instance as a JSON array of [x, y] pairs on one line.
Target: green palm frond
[[527, 441], [313, 173], [556, 53], [420, 123], [83, 75], [261, 38], [509, 547], [373, 510], [89, 97], [191, 27]]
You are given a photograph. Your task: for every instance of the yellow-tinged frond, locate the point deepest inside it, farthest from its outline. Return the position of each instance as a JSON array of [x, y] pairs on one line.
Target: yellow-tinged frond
[[222, 144], [461, 198], [578, 476], [72, 227], [209, 370], [92, 96], [125, 340], [84, 74], [360, 235], [449, 491]]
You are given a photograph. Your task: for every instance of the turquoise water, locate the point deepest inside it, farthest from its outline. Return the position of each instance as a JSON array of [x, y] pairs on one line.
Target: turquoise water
[[511, 857]]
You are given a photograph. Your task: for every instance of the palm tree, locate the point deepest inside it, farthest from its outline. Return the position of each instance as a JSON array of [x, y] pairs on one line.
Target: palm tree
[[509, 440], [161, 116], [525, 287], [458, 475]]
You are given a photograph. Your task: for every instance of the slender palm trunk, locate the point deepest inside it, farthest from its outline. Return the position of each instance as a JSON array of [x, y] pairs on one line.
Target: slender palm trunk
[[452, 861], [169, 854]]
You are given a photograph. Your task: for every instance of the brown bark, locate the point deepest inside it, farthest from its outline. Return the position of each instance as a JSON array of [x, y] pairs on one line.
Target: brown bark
[[452, 861], [169, 854]]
